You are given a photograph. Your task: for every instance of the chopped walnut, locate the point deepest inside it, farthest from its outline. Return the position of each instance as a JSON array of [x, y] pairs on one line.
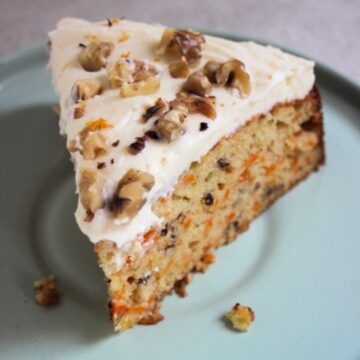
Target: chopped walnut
[[170, 124], [232, 73], [241, 317], [165, 44], [119, 72], [197, 83], [145, 87], [92, 141], [151, 134], [86, 89], [129, 196], [159, 108], [197, 104], [184, 43], [93, 146], [46, 293], [210, 69], [79, 112], [94, 56], [138, 145], [129, 71], [179, 68], [90, 190], [72, 146]]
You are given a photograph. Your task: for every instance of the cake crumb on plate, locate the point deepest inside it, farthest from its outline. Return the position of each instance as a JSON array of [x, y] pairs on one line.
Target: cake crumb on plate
[[46, 293], [241, 317]]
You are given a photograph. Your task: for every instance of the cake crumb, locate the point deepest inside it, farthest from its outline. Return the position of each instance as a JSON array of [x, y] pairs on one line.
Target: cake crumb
[[46, 293], [153, 318], [180, 285], [241, 317]]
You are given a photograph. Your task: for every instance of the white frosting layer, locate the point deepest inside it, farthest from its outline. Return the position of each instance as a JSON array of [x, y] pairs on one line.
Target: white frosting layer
[[275, 77]]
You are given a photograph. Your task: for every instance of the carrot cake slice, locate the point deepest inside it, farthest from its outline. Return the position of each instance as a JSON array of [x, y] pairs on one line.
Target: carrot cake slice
[[179, 141]]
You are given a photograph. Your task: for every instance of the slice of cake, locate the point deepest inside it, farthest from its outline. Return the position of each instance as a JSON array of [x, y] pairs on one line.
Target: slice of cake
[[179, 140]]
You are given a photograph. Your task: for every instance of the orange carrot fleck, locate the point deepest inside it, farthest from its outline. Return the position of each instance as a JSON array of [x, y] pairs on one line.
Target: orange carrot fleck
[[98, 124], [244, 176], [231, 216], [187, 222], [91, 37], [256, 206], [208, 225], [226, 194], [156, 58], [162, 200], [123, 37], [148, 235], [118, 310], [166, 268], [136, 309], [294, 163], [208, 258], [189, 179], [250, 160], [270, 169], [126, 55]]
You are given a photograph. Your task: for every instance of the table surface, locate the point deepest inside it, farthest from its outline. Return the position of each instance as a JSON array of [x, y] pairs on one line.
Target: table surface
[[326, 30]]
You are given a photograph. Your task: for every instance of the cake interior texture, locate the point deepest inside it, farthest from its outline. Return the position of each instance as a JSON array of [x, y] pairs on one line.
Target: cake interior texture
[[214, 201]]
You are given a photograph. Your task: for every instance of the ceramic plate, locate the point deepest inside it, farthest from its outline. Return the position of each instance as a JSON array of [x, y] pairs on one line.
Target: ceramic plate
[[298, 266]]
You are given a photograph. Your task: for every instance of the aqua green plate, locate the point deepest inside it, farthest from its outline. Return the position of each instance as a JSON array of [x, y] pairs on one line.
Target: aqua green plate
[[298, 266]]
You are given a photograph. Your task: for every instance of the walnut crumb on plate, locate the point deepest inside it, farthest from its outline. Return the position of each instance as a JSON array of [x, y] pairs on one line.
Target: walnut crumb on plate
[[46, 293], [241, 317]]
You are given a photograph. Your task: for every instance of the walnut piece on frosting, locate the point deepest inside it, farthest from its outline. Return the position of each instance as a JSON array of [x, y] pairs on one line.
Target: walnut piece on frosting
[[92, 141], [144, 87], [210, 70], [90, 190], [179, 68], [231, 73], [93, 146], [197, 104], [170, 124], [86, 89], [120, 71], [129, 71], [94, 56], [133, 77], [130, 193], [241, 317], [183, 45], [179, 43], [158, 108], [197, 83]]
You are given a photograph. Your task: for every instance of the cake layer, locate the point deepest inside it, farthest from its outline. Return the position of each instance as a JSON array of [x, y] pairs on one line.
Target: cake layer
[[214, 201], [275, 77]]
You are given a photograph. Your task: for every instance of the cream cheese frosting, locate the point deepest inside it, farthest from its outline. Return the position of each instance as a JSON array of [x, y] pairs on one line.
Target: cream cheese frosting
[[276, 77]]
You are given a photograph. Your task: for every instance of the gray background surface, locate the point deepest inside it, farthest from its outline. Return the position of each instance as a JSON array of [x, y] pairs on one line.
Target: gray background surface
[[328, 31]]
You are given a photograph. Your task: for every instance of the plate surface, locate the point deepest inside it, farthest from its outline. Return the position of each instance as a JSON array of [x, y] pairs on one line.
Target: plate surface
[[298, 266]]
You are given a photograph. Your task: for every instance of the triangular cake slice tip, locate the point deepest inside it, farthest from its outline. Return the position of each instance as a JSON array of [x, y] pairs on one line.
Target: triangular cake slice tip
[[179, 141]]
